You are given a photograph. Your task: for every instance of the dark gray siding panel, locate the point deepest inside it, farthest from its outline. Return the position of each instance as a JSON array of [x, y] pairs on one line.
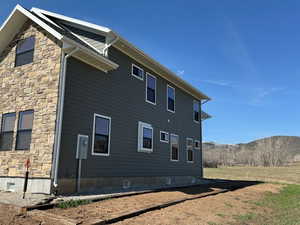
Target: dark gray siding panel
[[122, 97]]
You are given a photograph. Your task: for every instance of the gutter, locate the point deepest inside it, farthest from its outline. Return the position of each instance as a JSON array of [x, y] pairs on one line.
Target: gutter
[[57, 141]]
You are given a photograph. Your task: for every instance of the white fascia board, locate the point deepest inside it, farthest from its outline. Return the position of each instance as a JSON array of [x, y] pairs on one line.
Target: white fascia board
[[39, 22], [15, 21], [89, 52], [72, 20]]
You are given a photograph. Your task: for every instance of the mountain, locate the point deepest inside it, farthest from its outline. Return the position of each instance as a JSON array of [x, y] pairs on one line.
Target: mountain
[[276, 150]]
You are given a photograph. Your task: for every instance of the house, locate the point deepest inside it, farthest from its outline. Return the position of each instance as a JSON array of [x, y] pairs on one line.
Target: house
[[90, 110]]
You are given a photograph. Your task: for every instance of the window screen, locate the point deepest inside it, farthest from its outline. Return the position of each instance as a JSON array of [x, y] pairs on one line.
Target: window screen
[[24, 51], [7, 131], [102, 135], [24, 130]]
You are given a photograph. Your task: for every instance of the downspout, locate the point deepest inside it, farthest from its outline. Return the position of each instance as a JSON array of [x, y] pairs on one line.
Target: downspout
[[60, 113], [110, 44]]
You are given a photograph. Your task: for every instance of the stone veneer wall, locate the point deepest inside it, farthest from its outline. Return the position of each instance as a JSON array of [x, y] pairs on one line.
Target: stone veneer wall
[[32, 86]]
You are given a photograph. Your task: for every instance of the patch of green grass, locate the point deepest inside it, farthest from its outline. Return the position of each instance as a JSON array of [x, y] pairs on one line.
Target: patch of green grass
[[211, 223], [284, 206], [246, 217], [72, 203], [228, 205], [220, 215]]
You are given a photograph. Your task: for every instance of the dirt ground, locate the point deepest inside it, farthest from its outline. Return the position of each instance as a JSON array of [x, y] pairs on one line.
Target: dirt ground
[[214, 209], [218, 209]]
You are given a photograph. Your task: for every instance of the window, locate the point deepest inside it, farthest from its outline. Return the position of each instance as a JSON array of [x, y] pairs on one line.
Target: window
[[145, 137], [174, 147], [164, 136], [196, 110], [189, 150], [24, 130], [137, 72], [170, 98], [24, 51], [197, 144], [7, 131], [101, 136], [151, 89]]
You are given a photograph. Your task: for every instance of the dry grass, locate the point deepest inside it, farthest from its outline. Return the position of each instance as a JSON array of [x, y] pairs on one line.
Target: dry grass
[[290, 174]]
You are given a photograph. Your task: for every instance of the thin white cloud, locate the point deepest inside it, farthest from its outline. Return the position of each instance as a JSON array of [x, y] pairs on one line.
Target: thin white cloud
[[219, 83], [262, 93], [180, 72]]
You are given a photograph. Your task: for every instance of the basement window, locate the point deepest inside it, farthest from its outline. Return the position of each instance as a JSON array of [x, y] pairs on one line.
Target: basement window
[[189, 150], [101, 137], [174, 147], [196, 111], [170, 99], [164, 137], [7, 131], [24, 130], [145, 137], [137, 72], [151, 89], [24, 51]]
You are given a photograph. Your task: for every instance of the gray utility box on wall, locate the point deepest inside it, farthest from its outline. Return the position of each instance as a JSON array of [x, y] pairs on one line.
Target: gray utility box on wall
[[82, 146]]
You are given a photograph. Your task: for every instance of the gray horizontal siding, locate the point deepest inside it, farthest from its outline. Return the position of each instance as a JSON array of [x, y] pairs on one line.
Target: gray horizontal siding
[[122, 97]]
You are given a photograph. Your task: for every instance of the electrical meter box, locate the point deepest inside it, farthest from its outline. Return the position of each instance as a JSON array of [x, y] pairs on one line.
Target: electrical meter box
[[82, 146]]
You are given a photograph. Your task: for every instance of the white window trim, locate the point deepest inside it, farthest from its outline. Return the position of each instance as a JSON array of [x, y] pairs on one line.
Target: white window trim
[[187, 150], [199, 112], [148, 74], [168, 86], [140, 78], [109, 137], [173, 160], [141, 127], [198, 148], [164, 132]]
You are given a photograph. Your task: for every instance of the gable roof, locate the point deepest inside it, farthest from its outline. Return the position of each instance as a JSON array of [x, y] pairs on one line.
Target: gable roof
[[126, 47], [54, 24], [19, 16]]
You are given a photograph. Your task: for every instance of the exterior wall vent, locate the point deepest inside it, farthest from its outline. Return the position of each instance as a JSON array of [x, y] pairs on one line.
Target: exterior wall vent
[[10, 186], [193, 180], [126, 184], [168, 181]]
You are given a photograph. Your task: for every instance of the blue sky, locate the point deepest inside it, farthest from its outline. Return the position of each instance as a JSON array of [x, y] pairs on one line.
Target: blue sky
[[244, 54]]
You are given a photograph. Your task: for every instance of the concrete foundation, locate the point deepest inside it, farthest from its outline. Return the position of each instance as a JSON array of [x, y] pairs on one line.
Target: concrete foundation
[[16, 184], [124, 184]]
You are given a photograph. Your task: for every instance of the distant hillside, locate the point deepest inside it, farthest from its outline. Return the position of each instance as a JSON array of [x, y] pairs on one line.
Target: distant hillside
[[276, 150]]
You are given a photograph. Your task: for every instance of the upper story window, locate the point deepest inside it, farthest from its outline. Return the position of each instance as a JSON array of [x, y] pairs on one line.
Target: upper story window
[[170, 99], [174, 139], [197, 144], [7, 131], [137, 71], [164, 136], [24, 51], [101, 136], [151, 89], [189, 149], [196, 111], [24, 130], [145, 137]]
